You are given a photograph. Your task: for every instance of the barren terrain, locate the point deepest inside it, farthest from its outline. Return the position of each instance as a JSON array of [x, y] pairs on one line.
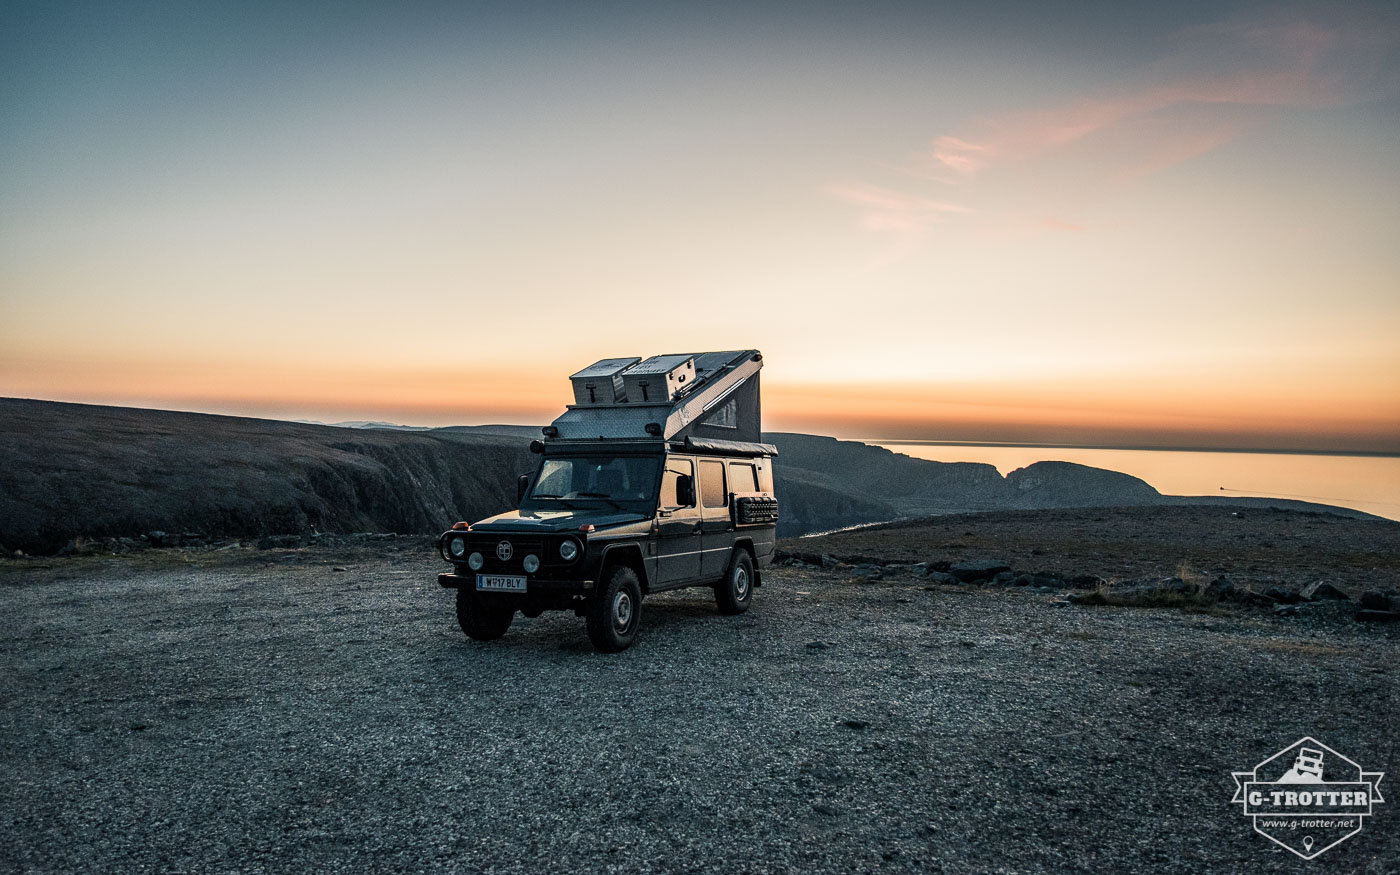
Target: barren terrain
[[318, 710]]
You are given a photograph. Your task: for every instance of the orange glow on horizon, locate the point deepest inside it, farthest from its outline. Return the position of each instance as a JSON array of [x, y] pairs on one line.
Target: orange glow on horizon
[[1049, 412]]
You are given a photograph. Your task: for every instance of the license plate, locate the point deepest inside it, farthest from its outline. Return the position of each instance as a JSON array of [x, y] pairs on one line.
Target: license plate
[[500, 582]]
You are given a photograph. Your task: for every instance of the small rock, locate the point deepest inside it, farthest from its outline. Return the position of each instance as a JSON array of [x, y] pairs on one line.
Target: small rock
[[1283, 596], [1370, 616], [1086, 581], [943, 578], [1379, 601], [816, 645], [1004, 578], [829, 561], [340, 568], [1222, 588], [1321, 589], [1024, 580], [1286, 610], [855, 724], [823, 808], [978, 569]]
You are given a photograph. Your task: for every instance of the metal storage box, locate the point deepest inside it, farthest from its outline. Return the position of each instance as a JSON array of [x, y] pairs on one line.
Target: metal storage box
[[659, 379], [601, 382]]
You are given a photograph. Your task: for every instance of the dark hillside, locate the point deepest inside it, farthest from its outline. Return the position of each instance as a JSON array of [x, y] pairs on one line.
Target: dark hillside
[[80, 470]]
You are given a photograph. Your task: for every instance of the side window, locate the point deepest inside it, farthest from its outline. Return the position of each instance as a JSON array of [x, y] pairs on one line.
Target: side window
[[765, 476], [726, 415], [742, 477], [675, 469], [712, 491]]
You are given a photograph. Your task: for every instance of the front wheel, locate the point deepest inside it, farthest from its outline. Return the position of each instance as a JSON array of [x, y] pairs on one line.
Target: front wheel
[[615, 611], [482, 619], [734, 593]]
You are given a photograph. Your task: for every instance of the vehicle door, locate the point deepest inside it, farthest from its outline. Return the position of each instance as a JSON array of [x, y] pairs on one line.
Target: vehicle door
[[678, 524], [717, 539]]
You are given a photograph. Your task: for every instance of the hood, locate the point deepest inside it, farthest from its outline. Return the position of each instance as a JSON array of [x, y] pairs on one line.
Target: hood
[[556, 521]]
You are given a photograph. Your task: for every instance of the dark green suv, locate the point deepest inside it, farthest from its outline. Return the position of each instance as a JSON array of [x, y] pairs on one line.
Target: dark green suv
[[629, 499]]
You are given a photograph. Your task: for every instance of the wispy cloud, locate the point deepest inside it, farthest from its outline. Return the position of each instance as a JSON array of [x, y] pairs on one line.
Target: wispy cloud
[[898, 212], [1217, 82], [1283, 61]]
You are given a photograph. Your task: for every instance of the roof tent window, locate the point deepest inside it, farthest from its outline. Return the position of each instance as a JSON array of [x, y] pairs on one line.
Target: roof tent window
[[712, 491], [726, 415]]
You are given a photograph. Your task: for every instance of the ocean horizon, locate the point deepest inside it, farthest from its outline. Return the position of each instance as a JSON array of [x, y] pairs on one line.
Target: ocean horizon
[[1368, 482]]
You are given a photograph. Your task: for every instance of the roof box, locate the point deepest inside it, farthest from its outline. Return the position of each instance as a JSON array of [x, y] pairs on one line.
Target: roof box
[[660, 378], [601, 382], [702, 395]]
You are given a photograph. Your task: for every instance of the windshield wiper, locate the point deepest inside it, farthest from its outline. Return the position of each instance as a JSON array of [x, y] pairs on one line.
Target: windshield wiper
[[608, 498], [559, 498]]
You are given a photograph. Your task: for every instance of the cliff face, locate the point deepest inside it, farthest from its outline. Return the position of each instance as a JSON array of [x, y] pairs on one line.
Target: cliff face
[[75, 470], [80, 470], [891, 484]]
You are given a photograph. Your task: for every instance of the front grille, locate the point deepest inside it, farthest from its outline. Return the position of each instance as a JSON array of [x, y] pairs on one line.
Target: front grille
[[520, 547]]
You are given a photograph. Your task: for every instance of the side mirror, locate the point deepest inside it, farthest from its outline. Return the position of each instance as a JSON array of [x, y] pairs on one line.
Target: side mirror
[[522, 486], [685, 490]]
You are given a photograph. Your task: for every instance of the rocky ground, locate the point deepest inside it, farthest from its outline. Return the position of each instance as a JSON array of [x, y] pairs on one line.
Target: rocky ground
[[318, 709]]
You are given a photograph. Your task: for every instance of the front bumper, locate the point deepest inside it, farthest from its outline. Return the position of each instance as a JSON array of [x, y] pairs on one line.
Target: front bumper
[[532, 584]]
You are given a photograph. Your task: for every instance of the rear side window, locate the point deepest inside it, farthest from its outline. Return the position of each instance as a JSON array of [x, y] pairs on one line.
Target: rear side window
[[712, 491], [742, 477]]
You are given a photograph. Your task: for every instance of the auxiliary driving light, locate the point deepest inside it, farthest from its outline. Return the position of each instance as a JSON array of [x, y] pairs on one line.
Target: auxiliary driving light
[[475, 561], [568, 550], [457, 547], [531, 563]]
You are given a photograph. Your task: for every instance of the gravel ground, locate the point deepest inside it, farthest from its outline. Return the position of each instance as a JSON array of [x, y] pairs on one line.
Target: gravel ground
[[260, 711], [1259, 547]]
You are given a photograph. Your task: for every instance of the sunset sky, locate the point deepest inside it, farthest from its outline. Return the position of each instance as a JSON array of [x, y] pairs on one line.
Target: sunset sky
[[1113, 223]]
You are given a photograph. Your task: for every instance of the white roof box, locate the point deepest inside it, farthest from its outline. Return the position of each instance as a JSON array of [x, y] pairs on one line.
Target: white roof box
[[661, 378], [601, 382]]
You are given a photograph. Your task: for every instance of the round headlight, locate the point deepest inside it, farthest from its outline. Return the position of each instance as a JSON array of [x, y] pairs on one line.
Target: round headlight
[[457, 547], [531, 563], [568, 550], [475, 561]]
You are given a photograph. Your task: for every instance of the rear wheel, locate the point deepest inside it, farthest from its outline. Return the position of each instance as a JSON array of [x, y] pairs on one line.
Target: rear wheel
[[734, 593], [615, 611], [482, 619]]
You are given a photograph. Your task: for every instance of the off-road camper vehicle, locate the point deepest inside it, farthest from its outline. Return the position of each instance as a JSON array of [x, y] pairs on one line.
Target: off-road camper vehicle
[[655, 478]]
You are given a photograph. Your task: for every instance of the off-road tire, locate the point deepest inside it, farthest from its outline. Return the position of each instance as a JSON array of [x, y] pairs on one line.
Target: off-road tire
[[734, 593], [482, 619], [615, 611]]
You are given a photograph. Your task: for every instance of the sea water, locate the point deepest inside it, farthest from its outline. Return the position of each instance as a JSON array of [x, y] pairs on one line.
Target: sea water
[[1365, 483]]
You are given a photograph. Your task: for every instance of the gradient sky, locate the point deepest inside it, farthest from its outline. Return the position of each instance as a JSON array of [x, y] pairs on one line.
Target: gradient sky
[[1151, 224]]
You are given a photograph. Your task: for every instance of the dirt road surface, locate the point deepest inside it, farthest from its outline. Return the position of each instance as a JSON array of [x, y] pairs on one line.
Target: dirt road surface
[[262, 711]]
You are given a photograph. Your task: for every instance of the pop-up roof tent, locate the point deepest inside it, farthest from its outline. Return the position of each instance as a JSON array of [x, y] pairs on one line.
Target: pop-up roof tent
[[707, 401]]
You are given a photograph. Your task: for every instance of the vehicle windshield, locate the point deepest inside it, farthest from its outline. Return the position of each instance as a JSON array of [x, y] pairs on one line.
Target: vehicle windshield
[[622, 482]]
